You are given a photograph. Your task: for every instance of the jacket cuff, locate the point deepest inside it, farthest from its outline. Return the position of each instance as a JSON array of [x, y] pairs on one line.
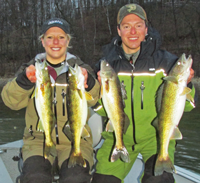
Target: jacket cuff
[[23, 81], [189, 85], [90, 82]]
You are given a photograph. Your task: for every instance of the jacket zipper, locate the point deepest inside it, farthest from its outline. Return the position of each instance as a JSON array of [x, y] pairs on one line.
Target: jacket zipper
[[142, 87], [55, 113], [63, 100], [132, 105]]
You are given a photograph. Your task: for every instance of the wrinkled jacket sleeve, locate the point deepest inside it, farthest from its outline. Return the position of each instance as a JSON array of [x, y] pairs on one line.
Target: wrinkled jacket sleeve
[[14, 96], [17, 92]]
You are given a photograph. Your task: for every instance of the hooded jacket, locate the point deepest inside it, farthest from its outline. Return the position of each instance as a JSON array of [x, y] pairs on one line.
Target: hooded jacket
[[141, 82], [17, 94]]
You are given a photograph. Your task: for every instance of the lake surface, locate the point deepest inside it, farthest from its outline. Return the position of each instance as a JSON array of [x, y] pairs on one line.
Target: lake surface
[[187, 151]]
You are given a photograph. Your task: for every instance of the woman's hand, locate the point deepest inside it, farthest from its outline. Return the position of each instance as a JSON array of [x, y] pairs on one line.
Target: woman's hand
[[99, 77], [30, 73], [85, 74]]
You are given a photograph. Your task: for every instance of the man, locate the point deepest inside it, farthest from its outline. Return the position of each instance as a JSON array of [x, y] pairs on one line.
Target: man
[[140, 63], [16, 94]]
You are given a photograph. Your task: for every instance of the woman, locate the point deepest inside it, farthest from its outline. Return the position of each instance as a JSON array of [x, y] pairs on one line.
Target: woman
[[16, 94]]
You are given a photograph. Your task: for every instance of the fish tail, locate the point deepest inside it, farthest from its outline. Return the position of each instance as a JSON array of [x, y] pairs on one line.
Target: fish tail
[[163, 165], [120, 153], [76, 159], [50, 149]]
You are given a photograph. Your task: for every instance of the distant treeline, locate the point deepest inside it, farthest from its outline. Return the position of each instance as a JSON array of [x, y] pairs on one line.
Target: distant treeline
[[93, 24]]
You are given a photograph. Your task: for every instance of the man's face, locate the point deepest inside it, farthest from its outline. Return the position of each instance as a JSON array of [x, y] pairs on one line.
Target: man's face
[[132, 31]]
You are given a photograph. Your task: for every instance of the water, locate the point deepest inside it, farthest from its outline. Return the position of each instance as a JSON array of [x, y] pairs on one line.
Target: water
[[187, 151], [12, 124]]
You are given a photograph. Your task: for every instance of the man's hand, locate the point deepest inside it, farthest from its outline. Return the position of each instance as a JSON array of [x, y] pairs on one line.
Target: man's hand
[[191, 75], [30, 73], [85, 74]]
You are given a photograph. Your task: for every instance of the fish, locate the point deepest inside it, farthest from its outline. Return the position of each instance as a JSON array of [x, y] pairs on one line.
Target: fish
[[77, 110], [170, 101], [111, 94], [43, 102]]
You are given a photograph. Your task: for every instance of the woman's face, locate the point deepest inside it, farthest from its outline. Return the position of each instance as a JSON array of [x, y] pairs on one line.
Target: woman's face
[[55, 43]]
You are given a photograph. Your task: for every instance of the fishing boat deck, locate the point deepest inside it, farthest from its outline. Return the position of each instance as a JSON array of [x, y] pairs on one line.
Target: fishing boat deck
[[9, 168]]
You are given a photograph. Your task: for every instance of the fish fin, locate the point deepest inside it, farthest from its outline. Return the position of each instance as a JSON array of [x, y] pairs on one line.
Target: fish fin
[[176, 134], [50, 149], [88, 96], [163, 165], [80, 93], [67, 131], [126, 123], [85, 133], [190, 99], [120, 153], [159, 94], [123, 90], [171, 78], [76, 159], [101, 92], [186, 91], [109, 127], [40, 127], [155, 123]]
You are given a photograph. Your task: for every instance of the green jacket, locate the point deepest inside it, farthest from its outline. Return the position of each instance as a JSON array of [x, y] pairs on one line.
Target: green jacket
[[150, 67]]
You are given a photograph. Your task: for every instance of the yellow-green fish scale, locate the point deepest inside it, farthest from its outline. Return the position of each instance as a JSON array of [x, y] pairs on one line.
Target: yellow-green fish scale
[[43, 96], [76, 105], [45, 99], [113, 101], [167, 115]]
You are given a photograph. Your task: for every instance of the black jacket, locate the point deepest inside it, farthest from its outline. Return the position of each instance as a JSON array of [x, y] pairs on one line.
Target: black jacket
[[151, 56]]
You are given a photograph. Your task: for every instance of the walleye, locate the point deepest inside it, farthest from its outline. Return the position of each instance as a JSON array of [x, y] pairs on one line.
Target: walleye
[[113, 103], [43, 102], [171, 98], [77, 110]]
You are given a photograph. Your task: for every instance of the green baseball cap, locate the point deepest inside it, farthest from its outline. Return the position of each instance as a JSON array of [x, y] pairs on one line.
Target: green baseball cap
[[131, 9]]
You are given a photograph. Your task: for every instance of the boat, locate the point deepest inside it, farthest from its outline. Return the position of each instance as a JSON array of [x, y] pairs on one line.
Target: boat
[[10, 163]]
